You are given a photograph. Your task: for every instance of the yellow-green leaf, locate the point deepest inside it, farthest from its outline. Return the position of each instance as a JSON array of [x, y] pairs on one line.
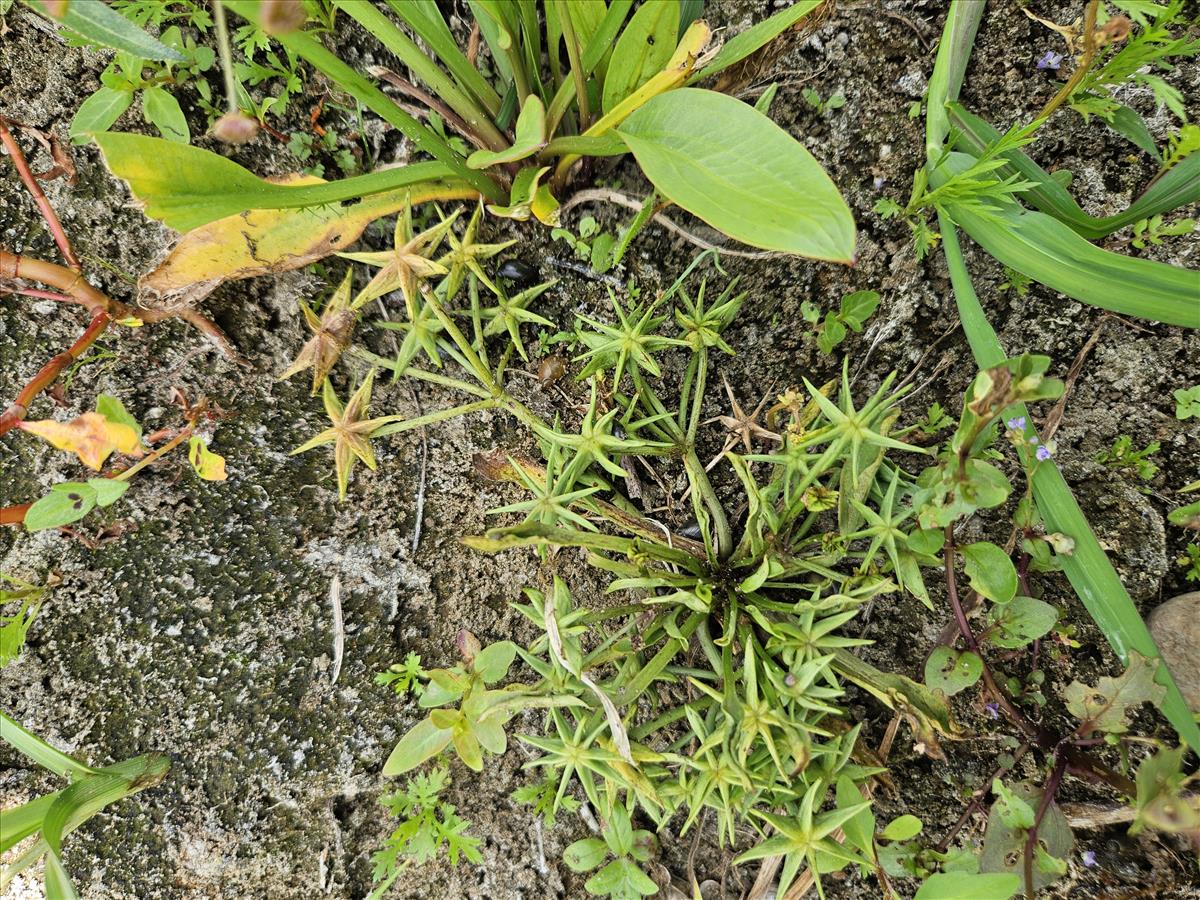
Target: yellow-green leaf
[[643, 49], [727, 163], [530, 138], [91, 436], [208, 465]]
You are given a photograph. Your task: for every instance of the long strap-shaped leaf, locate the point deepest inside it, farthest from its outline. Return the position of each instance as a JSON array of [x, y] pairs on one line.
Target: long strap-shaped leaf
[[187, 187], [46, 756], [304, 45], [424, 17], [1180, 186], [1088, 568], [1051, 253]]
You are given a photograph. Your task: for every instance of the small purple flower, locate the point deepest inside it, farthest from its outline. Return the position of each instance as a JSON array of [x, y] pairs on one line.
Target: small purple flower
[[1051, 60], [1017, 424], [993, 709], [879, 182], [1043, 454], [1089, 858]]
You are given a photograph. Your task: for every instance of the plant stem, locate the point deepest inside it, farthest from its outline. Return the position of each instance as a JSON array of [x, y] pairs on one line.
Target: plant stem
[[1085, 62], [39, 196], [969, 638], [577, 73], [1060, 766], [50, 371], [226, 54]]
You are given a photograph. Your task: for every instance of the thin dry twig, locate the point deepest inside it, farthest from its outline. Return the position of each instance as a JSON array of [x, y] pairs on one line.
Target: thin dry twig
[[605, 195], [339, 628]]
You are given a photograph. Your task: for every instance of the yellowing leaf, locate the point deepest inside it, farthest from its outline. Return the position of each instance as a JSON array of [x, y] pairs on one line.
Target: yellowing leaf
[[268, 241], [91, 436], [208, 465]]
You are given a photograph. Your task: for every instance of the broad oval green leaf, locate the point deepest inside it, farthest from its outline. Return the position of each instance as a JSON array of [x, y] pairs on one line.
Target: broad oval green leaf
[[642, 50], [423, 741], [66, 503], [990, 571], [95, 21], [162, 110], [725, 162], [98, 113]]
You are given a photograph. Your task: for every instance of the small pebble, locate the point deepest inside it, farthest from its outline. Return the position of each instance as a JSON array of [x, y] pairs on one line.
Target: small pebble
[[1175, 626]]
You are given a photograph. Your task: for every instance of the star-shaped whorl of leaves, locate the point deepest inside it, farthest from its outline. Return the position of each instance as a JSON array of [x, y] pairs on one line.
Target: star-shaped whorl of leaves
[[741, 425], [350, 432], [408, 262], [510, 312], [331, 335], [629, 345], [464, 256]]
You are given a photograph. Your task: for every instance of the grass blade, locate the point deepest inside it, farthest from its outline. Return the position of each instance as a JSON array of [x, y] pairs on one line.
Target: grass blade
[[40, 752], [376, 23], [1049, 252], [425, 140], [1180, 186], [424, 18]]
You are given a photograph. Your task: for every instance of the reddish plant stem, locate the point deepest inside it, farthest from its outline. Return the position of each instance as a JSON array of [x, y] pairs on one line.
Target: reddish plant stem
[[38, 294], [969, 637], [51, 370], [1056, 776], [14, 515], [39, 196], [75, 288], [976, 798]]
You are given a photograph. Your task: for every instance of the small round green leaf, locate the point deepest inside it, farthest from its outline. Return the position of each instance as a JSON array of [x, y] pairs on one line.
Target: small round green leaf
[[585, 855], [492, 662], [1021, 621], [903, 828], [950, 671]]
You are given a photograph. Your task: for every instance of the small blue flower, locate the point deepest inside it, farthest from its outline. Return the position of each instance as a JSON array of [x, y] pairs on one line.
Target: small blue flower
[[1017, 424], [1089, 858], [993, 709], [1043, 454], [1051, 60]]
